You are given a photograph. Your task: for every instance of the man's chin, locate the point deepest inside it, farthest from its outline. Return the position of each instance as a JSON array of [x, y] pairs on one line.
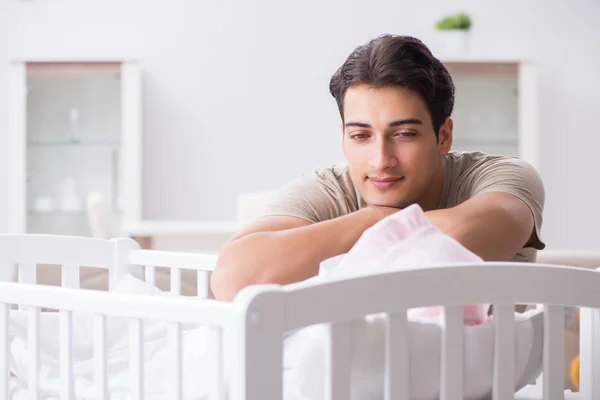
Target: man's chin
[[395, 203]]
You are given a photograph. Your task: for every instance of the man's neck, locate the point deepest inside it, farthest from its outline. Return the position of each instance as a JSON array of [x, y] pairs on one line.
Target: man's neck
[[430, 200]]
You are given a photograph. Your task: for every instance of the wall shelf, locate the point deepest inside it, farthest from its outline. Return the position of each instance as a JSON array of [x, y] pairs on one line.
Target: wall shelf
[[153, 228]]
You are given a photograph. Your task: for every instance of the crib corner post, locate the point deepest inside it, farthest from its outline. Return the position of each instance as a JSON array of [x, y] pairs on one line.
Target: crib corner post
[[257, 371], [122, 261]]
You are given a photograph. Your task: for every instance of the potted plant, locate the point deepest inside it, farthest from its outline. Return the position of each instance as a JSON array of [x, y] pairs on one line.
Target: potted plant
[[455, 33]]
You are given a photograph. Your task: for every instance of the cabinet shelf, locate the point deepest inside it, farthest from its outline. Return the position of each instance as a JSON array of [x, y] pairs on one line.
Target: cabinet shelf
[[74, 143], [55, 214], [65, 214]]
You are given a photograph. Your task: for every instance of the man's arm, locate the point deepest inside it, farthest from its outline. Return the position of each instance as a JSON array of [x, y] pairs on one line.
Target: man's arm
[[283, 250], [287, 249], [493, 225]]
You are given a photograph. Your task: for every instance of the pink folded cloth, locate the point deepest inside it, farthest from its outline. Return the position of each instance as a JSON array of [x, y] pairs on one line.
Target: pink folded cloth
[[407, 239]]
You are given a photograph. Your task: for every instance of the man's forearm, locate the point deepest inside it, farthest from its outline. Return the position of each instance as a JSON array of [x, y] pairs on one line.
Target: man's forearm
[[290, 255], [492, 225]]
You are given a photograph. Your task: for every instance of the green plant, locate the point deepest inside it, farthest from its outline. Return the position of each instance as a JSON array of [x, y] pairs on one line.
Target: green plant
[[457, 21]]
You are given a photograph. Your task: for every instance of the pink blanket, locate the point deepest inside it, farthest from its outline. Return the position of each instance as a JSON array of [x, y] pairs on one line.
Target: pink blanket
[[404, 240]]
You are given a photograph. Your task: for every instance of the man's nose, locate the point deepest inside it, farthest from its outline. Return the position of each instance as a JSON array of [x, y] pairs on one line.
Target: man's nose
[[383, 157]]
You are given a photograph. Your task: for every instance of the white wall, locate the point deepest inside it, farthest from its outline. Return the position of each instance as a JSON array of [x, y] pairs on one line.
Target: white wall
[[3, 112], [236, 89]]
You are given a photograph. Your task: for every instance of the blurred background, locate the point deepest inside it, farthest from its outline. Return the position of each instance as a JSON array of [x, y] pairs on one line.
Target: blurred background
[[173, 121]]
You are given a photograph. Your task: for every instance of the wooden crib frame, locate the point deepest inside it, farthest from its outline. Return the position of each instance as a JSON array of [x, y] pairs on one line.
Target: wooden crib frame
[[260, 315]]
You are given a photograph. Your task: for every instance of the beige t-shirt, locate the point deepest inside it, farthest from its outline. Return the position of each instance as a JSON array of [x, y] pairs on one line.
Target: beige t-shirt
[[329, 193]]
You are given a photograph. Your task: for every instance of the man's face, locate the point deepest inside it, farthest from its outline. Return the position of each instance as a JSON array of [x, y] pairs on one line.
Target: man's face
[[391, 148]]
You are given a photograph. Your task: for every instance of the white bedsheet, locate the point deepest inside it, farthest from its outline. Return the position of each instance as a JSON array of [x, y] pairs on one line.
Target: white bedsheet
[[535, 392]]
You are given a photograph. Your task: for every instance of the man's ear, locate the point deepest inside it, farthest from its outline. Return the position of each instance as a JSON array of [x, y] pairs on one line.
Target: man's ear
[[445, 136]]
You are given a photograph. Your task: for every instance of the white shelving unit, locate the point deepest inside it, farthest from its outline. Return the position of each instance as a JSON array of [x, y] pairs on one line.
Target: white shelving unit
[[75, 130], [496, 107]]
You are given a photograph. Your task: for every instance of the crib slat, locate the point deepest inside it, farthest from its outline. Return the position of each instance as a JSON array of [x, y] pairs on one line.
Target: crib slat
[[397, 382], [136, 356], [589, 350], [175, 281], [202, 282], [33, 338], [451, 384], [100, 373], [504, 351], [66, 363], [554, 355], [150, 275], [216, 341], [174, 339], [338, 361], [4, 372], [70, 276], [69, 279]]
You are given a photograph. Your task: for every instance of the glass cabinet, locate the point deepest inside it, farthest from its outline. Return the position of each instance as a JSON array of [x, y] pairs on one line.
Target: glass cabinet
[[75, 134], [495, 107]]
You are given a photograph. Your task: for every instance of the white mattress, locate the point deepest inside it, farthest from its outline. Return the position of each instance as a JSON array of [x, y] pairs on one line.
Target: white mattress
[[532, 392], [19, 392]]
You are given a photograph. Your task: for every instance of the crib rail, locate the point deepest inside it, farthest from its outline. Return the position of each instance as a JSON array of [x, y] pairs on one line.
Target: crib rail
[[26, 253], [157, 258], [203, 264], [30, 252], [54, 249], [168, 309], [173, 311], [337, 303]]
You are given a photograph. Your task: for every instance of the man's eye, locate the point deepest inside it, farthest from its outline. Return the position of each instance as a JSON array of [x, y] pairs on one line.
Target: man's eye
[[405, 134], [359, 136]]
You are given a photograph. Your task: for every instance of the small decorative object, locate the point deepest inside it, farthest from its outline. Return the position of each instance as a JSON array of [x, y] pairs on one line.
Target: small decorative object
[[69, 200], [98, 217], [455, 33], [74, 131], [44, 205]]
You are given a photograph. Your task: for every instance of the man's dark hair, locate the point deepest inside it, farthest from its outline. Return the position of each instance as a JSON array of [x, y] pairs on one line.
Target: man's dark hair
[[398, 61]]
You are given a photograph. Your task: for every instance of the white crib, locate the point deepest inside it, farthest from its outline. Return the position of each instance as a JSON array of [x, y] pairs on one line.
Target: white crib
[[255, 323]]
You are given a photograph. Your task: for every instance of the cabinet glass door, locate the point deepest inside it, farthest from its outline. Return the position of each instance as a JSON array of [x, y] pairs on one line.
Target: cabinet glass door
[[73, 142], [486, 111]]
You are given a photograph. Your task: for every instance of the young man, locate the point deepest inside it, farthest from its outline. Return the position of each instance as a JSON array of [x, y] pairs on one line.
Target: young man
[[395, 100]]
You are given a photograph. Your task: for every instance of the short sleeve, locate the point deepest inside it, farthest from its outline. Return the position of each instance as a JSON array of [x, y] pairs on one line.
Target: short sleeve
[[306, 197], [516, 177]]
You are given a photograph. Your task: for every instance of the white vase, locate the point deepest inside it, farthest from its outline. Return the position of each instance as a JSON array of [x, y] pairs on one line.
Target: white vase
[[70, 201], [455, 42]]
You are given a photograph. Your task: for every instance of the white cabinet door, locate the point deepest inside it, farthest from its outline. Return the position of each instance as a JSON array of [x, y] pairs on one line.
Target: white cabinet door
[[131, 160], [528, 114], [17, 131]]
